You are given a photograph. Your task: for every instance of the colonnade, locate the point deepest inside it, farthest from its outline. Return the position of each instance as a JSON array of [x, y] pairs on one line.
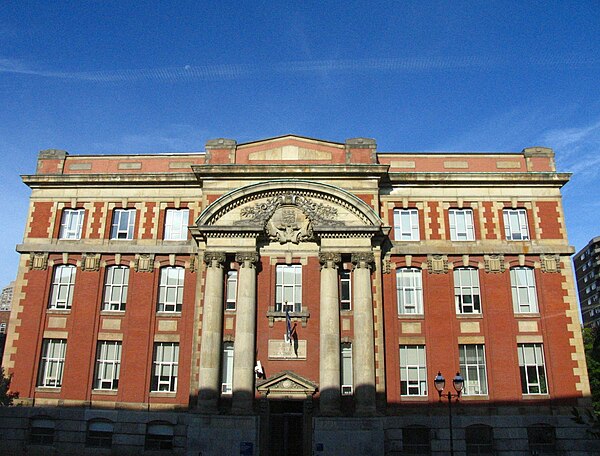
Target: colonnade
[[329, 335]]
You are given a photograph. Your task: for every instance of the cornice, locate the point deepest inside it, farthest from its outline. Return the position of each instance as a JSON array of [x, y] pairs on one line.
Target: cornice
[[110, 180], [506, 179]]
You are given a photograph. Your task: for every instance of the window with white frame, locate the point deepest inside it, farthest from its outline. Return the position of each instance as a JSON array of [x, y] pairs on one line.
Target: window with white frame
[[406, 225], [533, 371], [108, 365], [466, 290], [461, 224], [413, 370], [122, 224], [165, 366], [472, 366], [524, 296], [176, 224], [346, 368], [63, 283], [52, 363], [71, 223], [115, 288], [227, 368], [231, 290], [345, 290], [288, 288], [409, 289], [515, 224], [170, 290]]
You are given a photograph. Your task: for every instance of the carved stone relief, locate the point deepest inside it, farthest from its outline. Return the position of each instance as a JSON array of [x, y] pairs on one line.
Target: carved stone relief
[[437, 264], [494, 263], [550, 262], [144, 262], [39, 261], [90, 262]]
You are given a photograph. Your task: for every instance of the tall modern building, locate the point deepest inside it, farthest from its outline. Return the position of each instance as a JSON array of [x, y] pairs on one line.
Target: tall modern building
[[294, 296], [587, 272]]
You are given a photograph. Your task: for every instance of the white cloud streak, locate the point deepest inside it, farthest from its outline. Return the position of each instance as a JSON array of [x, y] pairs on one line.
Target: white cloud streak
[[218, 72]]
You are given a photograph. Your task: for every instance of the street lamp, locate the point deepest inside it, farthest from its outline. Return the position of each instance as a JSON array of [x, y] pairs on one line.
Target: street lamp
[[440, 383]]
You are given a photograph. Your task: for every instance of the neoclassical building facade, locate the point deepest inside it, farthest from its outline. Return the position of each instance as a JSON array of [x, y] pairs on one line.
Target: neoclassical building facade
[[296, 296]]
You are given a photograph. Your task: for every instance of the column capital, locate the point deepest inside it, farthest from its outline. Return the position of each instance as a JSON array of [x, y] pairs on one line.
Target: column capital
[[363, 259], [246, 259], [210, 258], [329, 259]]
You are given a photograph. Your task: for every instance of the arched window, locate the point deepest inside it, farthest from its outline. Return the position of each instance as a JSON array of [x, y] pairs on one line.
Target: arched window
[[522, 283], [63, 282], [170, 291], [416, 440], [466, 291], [99, 433], [479, 439], [41, 430], [159, 436], [409, 289], [115, 288], [542, 439]]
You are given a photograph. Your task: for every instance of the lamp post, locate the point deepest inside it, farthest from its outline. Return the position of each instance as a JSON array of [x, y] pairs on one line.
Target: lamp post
[[440, 383]]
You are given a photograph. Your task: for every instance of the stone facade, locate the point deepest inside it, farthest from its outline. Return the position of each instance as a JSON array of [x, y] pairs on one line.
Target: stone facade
[[295, 296]]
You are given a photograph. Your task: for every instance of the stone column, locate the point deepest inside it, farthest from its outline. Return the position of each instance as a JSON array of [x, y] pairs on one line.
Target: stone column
[[212, 325], [245, 334], [363, 363], [329, 346]]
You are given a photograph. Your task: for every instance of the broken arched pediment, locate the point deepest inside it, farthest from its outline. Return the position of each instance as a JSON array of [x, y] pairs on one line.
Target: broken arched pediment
[[288, 211], [287, 385]]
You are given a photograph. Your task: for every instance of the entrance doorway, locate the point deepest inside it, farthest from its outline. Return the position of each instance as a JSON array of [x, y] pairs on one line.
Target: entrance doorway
[[286, 428]]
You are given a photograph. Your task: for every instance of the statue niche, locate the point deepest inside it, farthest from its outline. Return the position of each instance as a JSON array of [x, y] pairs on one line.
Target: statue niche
[[289, 224]]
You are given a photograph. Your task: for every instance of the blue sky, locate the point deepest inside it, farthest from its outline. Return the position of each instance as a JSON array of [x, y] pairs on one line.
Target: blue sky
[[125, 77]]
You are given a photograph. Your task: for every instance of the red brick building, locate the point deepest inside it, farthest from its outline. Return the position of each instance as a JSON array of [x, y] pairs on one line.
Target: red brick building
[[304, 287]]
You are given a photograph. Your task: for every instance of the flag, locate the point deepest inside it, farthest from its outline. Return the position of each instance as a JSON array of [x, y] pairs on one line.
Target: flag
[[288, 321]]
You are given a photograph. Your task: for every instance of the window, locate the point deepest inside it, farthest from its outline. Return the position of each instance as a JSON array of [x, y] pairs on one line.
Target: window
[[416, 440], [346, 369], [409, 291], [461, 225], [164, 376], [345, 290], [99, 433], [288, 288], [122, 224], [159, 436], [231, 290], [176, 224], [413, 371], [61, 296], [542, 439], [515, 224], [170, 291], [52, 363], [466, 290], [115, 288], [108, 364], [227, 368], [522, 281], [533, 372], [472, 366], [41, 431], [2, 328], [406, 225], [479, 439], [71, 223]]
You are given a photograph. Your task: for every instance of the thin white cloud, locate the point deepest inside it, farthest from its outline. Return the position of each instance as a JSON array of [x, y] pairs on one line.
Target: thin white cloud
[[241, 71]]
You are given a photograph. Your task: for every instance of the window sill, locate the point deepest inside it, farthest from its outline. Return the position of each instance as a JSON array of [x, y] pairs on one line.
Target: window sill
[[104, 392], [163, 394], [294, 316], [411, 317], [474, 397], [163, 314], [528, 315], [58, 311], [414, 398], [535, 397], [478, 316], [113, 313], [47, 389]]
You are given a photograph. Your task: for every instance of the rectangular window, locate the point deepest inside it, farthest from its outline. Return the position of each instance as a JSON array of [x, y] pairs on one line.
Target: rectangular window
[[122, 224], [472, 366], [288, 288], [461, 225], [406, 225], [522, 281], [115, 288], [413, 370], [227, 368], [63, 283], [345, 290], [71, 223], [52, 363], [176, 224], [533, 371], [409, 289], [170, 291], [346, 369], [165, 366], [231, 290], [108, 365], [466, 291], [515, 224], [3, 328]]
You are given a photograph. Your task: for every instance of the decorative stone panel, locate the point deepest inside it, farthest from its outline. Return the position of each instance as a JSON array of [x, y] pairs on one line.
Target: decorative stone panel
[[144, 262], [90, 262], [39, 261], [494, 263], [437, 264], [550, 263]]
